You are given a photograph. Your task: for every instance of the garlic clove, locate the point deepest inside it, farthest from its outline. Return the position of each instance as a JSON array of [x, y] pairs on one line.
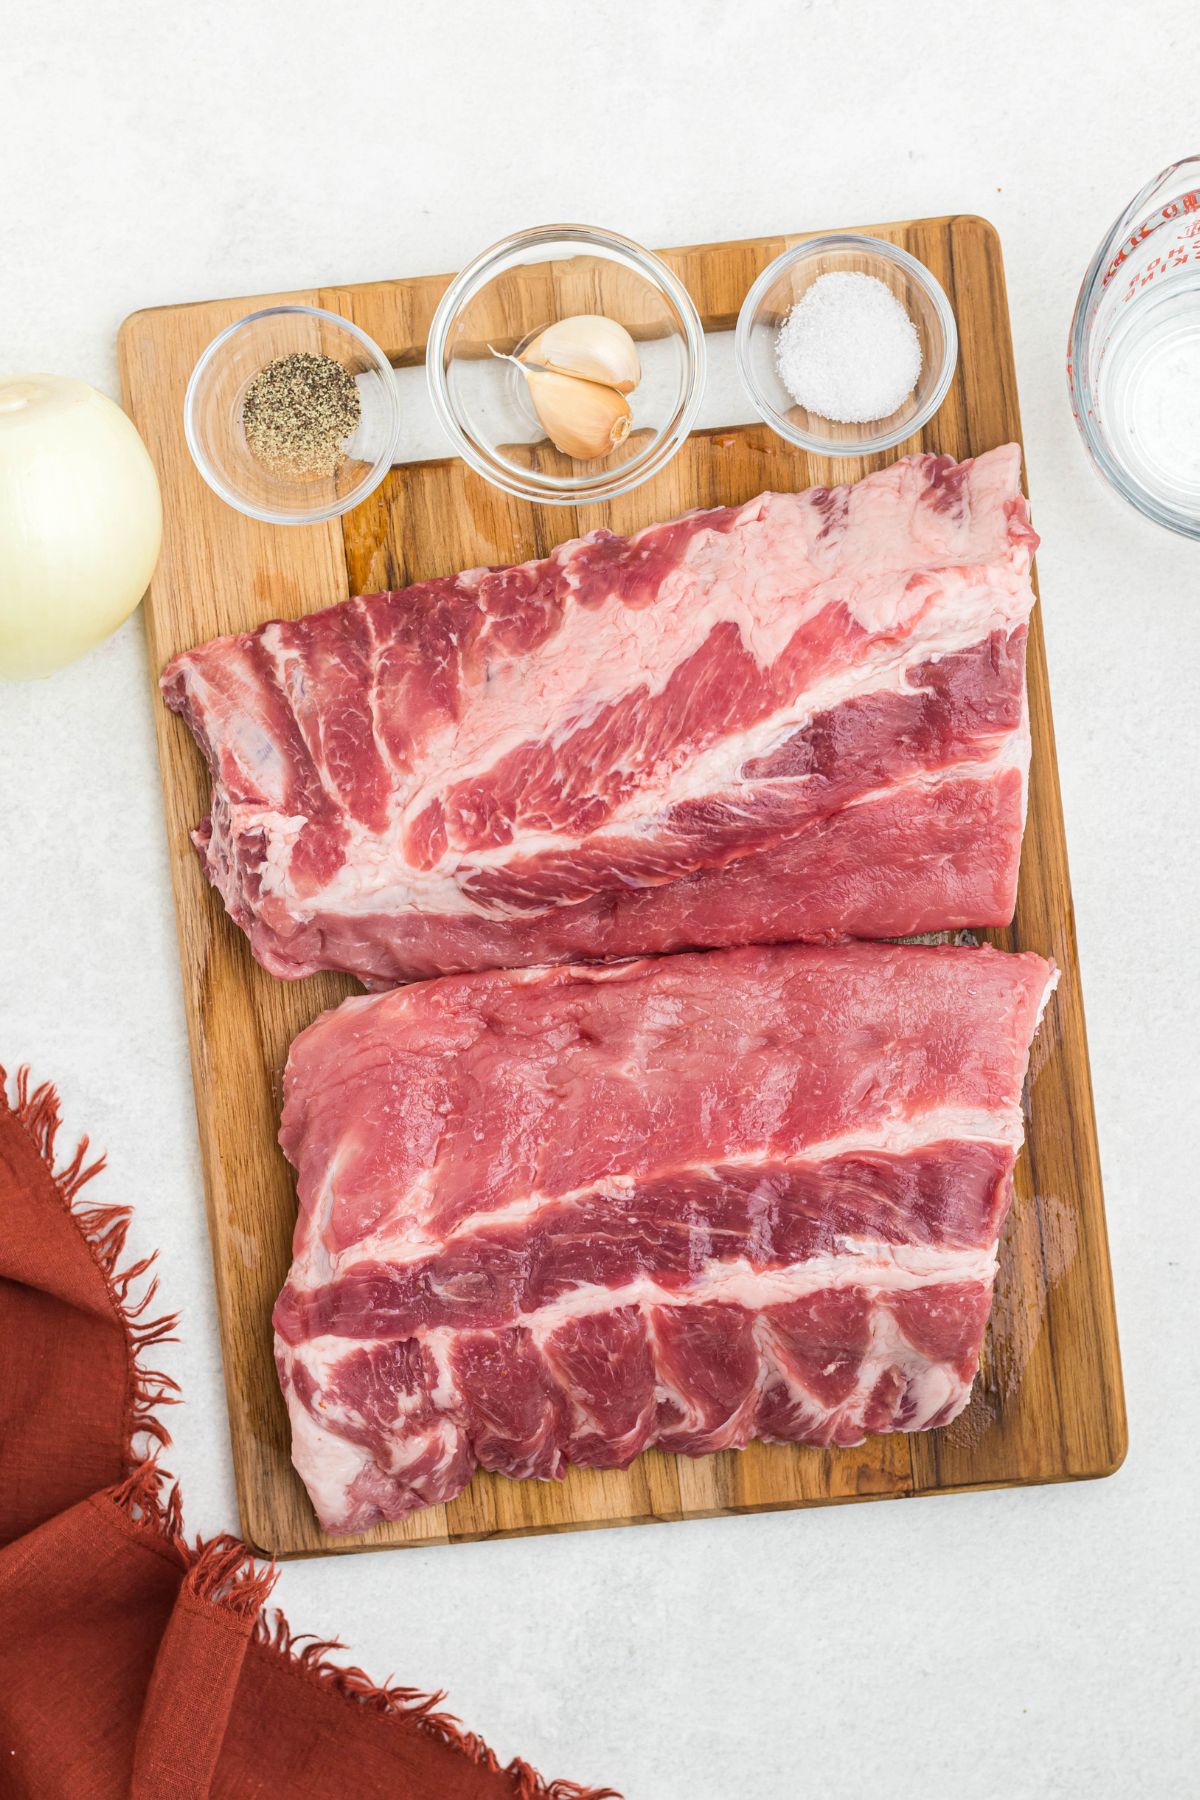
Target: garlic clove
[[588, 345], [581, 418]]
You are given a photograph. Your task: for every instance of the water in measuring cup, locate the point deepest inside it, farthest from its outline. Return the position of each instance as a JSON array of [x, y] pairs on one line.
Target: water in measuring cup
[[1148, 390]]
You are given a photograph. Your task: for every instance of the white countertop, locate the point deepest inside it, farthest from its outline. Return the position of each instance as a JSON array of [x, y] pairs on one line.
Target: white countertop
[[1033, 1643]]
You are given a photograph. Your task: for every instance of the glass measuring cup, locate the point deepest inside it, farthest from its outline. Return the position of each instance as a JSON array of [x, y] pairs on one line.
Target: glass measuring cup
[[1134, 359]]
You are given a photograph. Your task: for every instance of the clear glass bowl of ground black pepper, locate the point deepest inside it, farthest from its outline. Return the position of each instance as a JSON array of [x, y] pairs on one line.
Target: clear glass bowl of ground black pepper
[[292, 415], [860, 329]]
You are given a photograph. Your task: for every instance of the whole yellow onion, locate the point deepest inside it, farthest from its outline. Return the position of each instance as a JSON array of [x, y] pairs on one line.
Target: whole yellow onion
[[80, 521]]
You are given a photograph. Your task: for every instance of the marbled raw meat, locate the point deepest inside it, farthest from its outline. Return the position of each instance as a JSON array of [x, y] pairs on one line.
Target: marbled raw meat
[[797, 718], [560, 1215]]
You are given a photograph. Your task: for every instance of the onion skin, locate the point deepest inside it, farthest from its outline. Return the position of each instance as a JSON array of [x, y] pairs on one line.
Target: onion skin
[[80, 522]]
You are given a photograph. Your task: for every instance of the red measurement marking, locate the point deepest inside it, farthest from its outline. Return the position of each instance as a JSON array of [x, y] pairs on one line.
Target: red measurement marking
[[1175, 257], [1186, 203]]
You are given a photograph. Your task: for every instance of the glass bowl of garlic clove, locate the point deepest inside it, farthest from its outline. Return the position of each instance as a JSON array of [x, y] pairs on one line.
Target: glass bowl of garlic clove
[[566, 364]]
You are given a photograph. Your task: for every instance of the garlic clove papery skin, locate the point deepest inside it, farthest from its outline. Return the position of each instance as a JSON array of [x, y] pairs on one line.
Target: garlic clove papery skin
[[590, 346], [583, 419]]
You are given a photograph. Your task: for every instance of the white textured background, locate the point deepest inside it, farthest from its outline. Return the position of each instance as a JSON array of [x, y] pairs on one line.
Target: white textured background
[[1037, 1644]]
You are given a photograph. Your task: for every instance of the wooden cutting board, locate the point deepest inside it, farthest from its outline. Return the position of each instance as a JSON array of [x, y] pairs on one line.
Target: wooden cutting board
[[1048, 1404]]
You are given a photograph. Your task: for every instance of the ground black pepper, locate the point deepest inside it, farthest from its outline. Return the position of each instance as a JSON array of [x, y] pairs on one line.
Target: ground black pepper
[[298, 412]]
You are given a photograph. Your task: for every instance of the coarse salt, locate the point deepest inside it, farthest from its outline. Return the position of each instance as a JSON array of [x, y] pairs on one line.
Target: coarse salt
[[848, 350]]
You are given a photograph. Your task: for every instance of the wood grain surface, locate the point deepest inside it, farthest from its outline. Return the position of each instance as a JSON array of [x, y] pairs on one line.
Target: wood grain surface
[[1048, 1404]]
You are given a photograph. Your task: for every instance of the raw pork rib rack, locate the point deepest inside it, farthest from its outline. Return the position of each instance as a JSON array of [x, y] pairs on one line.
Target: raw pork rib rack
[[793, 719], [560, 1215]]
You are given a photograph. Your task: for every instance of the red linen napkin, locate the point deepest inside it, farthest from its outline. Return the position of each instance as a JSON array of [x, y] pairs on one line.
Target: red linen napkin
[[133, 1662]]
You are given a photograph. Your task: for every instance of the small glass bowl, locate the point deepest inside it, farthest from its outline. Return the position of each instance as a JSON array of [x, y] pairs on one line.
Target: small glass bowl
[[212, 416], [777, 290], [510, 293]]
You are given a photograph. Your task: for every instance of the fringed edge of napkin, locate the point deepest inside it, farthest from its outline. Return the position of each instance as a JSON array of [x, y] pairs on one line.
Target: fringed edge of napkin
[[221, 1571], [310, 1655], [104, 1229]]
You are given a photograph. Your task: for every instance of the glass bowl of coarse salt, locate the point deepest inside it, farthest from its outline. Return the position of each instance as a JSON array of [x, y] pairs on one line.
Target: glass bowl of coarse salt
[[292, 415], [846, 344]]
